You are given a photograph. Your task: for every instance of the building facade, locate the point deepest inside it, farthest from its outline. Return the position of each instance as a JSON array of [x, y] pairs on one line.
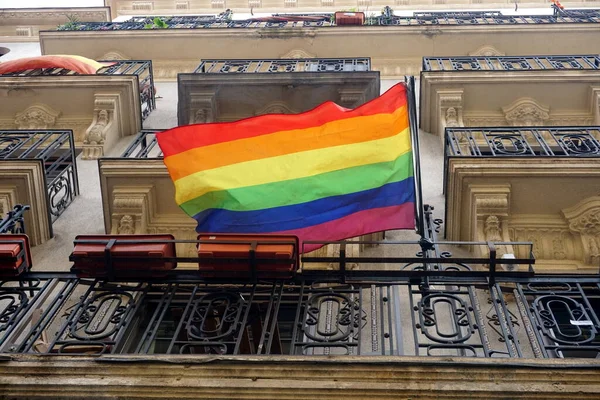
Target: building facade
[[496, 295]]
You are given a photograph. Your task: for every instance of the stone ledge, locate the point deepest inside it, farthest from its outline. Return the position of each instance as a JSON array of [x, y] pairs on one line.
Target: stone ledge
[[295, 377]]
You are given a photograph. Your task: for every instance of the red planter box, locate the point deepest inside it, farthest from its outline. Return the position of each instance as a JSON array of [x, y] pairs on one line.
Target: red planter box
[[89, 259], [15, 255], [349, 18], [273, 247]]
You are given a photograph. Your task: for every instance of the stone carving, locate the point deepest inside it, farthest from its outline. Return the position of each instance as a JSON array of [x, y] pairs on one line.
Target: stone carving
[[487, 51], [526, 112], [558, 248], [37, 116], [203, 107], [493, 233], [450, 103], [584, 220], [103, 125], [276, 107], [114, 55], [202, 116], [451, 118], [126, 225], [96, 135], [351, 98], [298, 53]]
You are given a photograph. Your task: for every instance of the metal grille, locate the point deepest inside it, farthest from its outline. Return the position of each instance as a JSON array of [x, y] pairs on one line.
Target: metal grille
[[291, 65], [510, 63], [14, 222], [56, 152], [549, 318], [142, 69], [523, 142], [224, 20]]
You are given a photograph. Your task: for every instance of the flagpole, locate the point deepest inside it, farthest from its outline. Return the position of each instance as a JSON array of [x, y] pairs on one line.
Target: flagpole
[[414, 135]]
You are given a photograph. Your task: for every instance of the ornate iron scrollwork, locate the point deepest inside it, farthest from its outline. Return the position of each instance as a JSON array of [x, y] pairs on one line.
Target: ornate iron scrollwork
[[215, 316], [444, 318], [564, 320]]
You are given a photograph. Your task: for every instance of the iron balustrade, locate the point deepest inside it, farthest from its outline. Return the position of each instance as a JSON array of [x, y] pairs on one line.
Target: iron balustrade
[[411, 306], [252, 66], [277, 21], [56, 151], [540, 141], [512, 63], [14, 221], [425, 312], [144, 145], [142, 69]]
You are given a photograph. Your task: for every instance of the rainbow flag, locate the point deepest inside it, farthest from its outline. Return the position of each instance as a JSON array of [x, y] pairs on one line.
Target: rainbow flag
[[327, 174]]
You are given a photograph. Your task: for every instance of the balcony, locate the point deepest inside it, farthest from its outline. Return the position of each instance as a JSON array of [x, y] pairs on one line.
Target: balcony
[[535, 184], [14, 221], [456, 91], [229, 90], [24, 24], [315, 35], [100, 108], [39, 169]]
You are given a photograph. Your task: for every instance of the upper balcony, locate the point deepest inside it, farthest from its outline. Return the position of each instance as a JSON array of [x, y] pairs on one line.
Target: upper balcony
[[39, 169], [229, 90], [316, 35], [536, 184], [99, 108], [177, 7], [527, 91], [24, 24]]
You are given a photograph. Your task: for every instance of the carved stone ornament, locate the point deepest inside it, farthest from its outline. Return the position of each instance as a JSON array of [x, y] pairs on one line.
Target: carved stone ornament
[[37, 116], [114, 55], [276, 107], [450, 103], [298, 53], [350, 98], [487, 51], [103, 122], [126, 225], [526, 112], [584, 219]]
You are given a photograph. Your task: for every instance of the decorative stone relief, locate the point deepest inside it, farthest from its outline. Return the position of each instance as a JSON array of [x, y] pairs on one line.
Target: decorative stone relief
[[584, 220], [487, 51], [126, 225], [298, 53], [491, 205], [277, 107], [37, 116], [526, 112], [203, 107], [351, 98], [450, 103], [114, 55], [103, 125], [131, 207]]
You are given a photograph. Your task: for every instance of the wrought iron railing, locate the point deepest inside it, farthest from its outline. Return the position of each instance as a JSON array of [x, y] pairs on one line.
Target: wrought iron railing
[[142, 69], [144, 145], [577, 141], [56, 151], [252, 66], [512, 63], [225, 20], [427, 304], [14, 221]]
